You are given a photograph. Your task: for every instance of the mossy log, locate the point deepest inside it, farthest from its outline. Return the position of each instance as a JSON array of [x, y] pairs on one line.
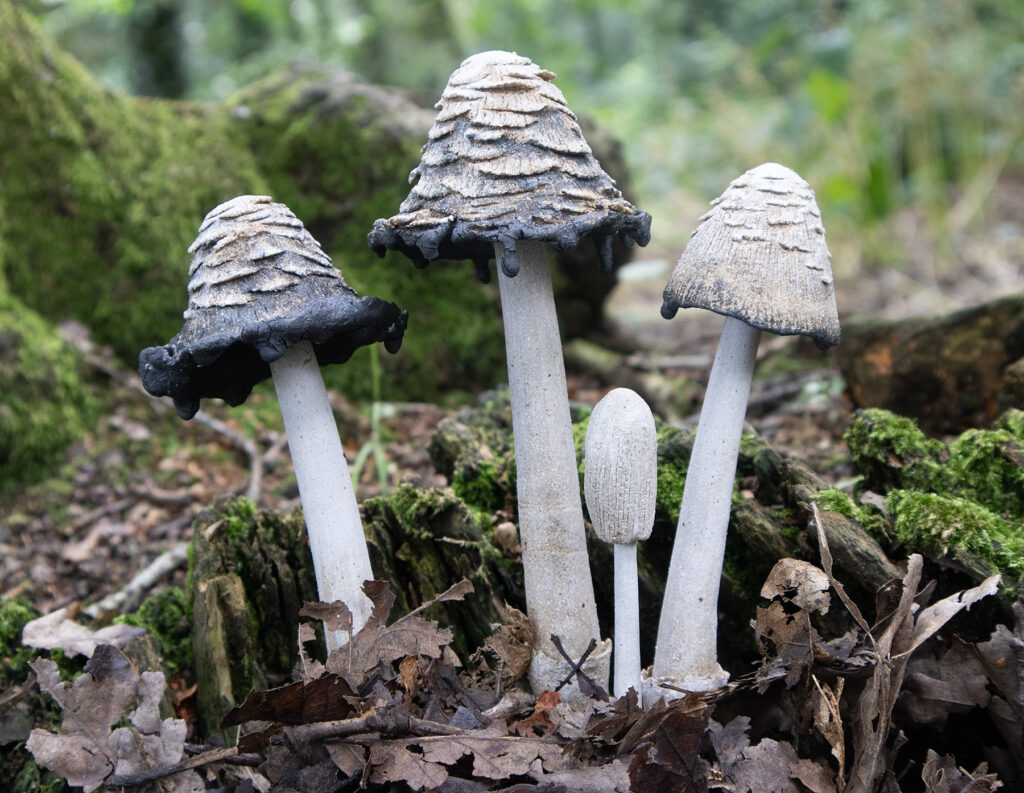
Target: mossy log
[[475, 452], [102, 195], [250, 573], [948, 373]]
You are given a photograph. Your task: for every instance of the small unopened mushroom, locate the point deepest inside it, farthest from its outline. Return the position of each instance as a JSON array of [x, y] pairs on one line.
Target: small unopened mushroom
[[759, 257], [265, 300], [505, 170], [620, 480]]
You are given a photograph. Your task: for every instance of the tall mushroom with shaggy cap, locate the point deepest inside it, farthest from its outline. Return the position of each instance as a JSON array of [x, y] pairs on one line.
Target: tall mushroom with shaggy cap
[[266, 301], [759, 257], [505, 170]]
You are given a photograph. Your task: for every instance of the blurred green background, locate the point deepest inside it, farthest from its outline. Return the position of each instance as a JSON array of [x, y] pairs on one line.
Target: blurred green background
[[880, 105]]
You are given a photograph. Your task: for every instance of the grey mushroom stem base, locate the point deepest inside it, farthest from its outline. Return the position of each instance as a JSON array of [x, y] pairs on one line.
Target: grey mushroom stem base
[[340, 558], [686, 654], [627, 621], [559, 591]]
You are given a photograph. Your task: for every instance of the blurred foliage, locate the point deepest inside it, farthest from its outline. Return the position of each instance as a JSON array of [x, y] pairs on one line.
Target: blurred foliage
[[879, 105]]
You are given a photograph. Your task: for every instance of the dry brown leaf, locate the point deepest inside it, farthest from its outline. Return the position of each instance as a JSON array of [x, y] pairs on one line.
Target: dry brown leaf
[[392, 761], [800, 583], [941, 775], [828, 720], [86, 752], [54, 631]]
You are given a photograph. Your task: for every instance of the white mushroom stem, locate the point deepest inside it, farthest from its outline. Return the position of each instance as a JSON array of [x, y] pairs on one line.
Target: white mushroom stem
[[559, 592], [686, 652], [627, 621], [340, 557]]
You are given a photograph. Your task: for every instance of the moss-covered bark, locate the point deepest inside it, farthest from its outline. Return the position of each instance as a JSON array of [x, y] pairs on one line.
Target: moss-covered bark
[[44, 405], [250, 573], [102, 193]]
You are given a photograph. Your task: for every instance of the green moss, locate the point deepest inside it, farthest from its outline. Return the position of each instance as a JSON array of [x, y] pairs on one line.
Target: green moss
[[836, 501], [44, 405], [987, 466], [481, 486], [33, 778], [423, 541], [105, 191], [14, 614], [891, 451], [167, 617], [942, 525], [674, 447]]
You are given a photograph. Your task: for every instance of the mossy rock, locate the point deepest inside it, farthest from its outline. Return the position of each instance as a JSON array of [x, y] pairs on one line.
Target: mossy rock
[[44, 403], [105, 192], [250, 573]]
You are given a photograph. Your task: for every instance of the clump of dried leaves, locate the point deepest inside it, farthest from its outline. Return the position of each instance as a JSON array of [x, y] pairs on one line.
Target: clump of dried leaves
[[395, 710]]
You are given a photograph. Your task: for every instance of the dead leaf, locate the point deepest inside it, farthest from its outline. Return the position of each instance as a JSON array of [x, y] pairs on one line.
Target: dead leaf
[[86, 752], [938, 614], [334, 615], [668, 759], [800, 583], [828, 720], [325, 699], [941, 775], [816, 776], [538, 723], [512, 641], [54, 631], [393, 762]]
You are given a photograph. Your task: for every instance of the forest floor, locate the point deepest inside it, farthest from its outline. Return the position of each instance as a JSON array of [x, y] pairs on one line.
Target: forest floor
[[124, 497]]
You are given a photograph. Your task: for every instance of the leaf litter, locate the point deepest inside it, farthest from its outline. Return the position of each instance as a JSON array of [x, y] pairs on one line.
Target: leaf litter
[[394, 709]]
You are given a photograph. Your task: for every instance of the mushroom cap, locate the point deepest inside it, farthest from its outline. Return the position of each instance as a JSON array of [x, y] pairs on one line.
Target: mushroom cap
[[760, 256], [505, 161], [620, 475], [259, 283]]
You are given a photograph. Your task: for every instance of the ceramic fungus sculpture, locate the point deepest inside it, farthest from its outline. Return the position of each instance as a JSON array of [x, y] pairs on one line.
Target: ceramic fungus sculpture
[[266, 301], [505, 172], [758, 257]]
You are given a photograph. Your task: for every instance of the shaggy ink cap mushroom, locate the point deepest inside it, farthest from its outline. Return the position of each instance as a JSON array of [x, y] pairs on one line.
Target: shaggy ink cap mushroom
[[504, 173], [760, 256], [265, 301], [259, 284], [506, 161]]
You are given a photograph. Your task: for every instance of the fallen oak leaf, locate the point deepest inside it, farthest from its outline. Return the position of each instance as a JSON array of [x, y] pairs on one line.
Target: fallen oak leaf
[[547, 701], [326, 698], [391, 761], [86, 752], [54, 631]]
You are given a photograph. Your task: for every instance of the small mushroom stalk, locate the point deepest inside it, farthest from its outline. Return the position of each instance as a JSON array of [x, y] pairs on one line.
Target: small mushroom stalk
[[621, 482], [758, 257], [340, 557], [556, 567]]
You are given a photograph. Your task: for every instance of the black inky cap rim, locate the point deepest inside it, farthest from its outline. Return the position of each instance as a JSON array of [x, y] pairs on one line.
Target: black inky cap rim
[[226, 363], [455, 240]]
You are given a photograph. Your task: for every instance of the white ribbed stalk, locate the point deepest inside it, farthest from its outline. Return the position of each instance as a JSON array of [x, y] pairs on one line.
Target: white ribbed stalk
[[556, 568], [686, 652], [627, 621], [340, 558]]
